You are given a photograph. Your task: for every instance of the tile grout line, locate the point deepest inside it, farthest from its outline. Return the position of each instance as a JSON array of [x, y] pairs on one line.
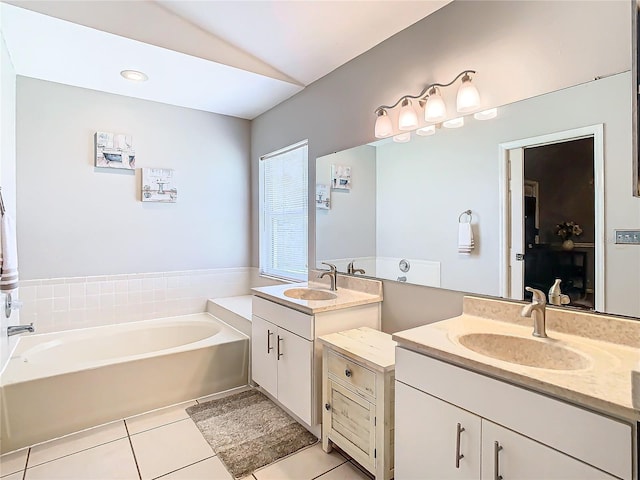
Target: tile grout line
[[331, 469], [178, 469], [26, 463], [157, 426], [132, 450]]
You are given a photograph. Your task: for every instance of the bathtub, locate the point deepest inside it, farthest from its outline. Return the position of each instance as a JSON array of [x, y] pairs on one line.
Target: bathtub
[[59, 383]]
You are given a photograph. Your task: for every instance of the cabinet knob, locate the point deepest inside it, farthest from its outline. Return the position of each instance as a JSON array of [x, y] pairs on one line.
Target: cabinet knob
[[327, 406], [347, 372]]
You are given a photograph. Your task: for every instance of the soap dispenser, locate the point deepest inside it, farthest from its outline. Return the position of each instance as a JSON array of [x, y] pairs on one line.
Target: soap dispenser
[[556, 297]]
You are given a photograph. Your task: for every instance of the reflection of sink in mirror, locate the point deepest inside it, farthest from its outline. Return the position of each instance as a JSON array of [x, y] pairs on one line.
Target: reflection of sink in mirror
[[524, 351], [409, 197], [309, 294]]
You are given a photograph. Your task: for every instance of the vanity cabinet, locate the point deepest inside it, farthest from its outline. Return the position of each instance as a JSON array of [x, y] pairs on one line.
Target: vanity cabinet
[[358, 397], [444, 412], [286, 359]]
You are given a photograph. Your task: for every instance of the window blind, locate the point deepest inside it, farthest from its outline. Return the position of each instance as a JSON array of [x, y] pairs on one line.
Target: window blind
[[284, 198]]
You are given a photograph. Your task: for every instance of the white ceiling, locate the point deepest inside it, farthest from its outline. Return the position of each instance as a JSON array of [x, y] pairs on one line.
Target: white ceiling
[[238, 58]]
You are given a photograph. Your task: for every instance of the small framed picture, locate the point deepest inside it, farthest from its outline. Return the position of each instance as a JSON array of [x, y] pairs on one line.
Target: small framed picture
[[341, 177], [115, 150], [323, 200], [158, 185]]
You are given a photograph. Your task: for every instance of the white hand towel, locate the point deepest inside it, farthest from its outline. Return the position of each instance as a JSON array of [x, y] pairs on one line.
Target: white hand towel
[[8, 255], [465, 238]]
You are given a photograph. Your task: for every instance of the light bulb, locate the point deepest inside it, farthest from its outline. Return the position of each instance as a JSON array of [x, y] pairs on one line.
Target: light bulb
[[402, 138], [468, 96], [454, 123], [383, 126], [435, 111], [426, 131], [486, 114], [408, 118]]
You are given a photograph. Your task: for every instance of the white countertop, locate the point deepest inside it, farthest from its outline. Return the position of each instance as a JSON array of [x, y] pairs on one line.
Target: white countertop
[[609, 382], [345, 297]]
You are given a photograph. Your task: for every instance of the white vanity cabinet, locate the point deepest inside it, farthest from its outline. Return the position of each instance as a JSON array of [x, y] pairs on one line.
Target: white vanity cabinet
[[286, 359], [454, 423]]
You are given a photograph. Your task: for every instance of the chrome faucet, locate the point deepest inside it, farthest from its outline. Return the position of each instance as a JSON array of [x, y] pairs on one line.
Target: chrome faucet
[[333, 275], [536, 310], [16, 329], [352, 271]]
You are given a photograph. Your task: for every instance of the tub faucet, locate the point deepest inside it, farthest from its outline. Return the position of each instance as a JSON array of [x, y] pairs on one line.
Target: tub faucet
[[333, 275], [536, 310], [351, 270], [16, 329]]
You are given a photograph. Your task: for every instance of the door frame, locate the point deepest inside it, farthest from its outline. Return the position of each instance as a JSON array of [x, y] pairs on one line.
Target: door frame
[[595, 131]]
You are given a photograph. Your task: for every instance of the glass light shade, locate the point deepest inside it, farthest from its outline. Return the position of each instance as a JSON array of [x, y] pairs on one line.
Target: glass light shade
[[486, 114], [383, 126], [426, 131], [454, 123], [402, 138], [468, 96], [408, 118], [435, 110]]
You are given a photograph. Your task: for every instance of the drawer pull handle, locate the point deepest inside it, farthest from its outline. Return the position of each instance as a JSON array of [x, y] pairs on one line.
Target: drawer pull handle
[[269, 347], [327, 407], [279, 340], [459, 456], [347, 372], [496, 461]]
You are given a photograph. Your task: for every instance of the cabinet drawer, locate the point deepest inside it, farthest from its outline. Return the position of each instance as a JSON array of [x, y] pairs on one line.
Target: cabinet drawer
[[352, 373], [296, 322], [567, 428]]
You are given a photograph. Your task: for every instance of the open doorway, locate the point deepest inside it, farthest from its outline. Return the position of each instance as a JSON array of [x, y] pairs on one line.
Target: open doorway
[[559, 219], [553, 225]]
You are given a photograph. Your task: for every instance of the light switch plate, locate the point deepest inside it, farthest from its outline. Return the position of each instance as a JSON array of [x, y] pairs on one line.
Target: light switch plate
[[628, 237]]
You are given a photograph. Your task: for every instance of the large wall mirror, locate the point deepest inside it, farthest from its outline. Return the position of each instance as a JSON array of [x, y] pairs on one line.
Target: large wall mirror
[[394, 210]]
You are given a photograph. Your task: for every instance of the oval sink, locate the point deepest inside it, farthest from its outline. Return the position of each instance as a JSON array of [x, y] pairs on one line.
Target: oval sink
[[309, 294], [524, 351]]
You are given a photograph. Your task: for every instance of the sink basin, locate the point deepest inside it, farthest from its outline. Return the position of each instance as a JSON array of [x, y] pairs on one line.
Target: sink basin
[[309, 294], [524, 351]]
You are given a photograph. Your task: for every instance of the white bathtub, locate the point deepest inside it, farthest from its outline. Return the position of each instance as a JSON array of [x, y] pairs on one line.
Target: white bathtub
[[59, 383]]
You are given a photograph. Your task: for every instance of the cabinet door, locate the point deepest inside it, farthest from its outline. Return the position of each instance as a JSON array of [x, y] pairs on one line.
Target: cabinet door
[[434, 439], [263, 354], [295, 362], [351, 424], [515, 456]]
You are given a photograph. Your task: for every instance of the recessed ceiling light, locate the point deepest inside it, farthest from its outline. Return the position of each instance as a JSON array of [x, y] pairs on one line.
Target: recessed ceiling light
[[134, 75]]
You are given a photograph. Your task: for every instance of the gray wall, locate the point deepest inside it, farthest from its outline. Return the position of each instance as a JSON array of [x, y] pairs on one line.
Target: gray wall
[[520, 49], [75, 220]]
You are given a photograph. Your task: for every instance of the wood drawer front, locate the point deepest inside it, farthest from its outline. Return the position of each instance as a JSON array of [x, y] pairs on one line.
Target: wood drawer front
[[595, 439], [296, 322], [352, 373], [352, 424]]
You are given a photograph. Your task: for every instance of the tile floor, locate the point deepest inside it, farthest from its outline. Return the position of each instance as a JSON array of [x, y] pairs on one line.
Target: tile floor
[[162, 444]]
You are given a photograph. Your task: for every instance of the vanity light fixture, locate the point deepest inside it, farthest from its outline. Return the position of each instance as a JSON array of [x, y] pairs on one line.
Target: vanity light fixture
[[426, 131], [486, 114], [430, 98], [134, 75], [402, 138], [454, 123]]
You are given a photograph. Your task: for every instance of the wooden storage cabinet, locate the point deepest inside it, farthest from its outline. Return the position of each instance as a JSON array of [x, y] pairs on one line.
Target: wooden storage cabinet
[[358, 396], [541, 438]]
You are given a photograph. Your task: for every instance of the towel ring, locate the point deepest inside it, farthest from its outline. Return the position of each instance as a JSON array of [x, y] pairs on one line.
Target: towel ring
[[466, 212]]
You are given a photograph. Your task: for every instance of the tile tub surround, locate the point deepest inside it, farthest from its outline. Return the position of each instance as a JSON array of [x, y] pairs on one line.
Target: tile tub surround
[[605, 385], [362, 292], [76, 302]]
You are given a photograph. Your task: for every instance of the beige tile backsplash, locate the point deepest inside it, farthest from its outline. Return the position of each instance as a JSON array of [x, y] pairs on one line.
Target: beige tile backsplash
[[55, 304]]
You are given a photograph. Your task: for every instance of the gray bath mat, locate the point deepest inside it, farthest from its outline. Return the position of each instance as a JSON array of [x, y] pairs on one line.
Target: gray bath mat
[[248, 431]]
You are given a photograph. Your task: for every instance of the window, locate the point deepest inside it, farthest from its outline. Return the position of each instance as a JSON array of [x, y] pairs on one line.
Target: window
[[283, 213]]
